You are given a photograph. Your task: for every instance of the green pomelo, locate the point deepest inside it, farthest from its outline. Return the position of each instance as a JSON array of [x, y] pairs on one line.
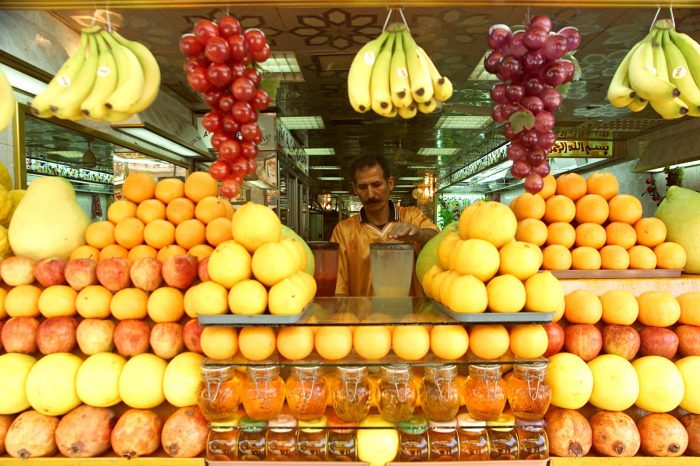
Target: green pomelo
[[291, 234], [428, 255], [680, 211]]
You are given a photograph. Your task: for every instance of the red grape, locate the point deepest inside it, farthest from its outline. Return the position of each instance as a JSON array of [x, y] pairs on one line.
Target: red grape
[[251, 132], [239, 167], [555, 73], [226, 103], [533, 183], [546, 140], [516, 151], [205, 30], [509, 109], [570, 70], [198, 80], [212, 98], [517, 47], [230, 125], [551, 98], [238, 47], [555, 47], [541, 21], [542, 169], [529, 138], [498, 93], [219, 74], [533, 60], [255, 39], [573, 37], [217, 50], [515, 92], [229, 150], [243, 89], [251, 166], [533, 86], [510, 67], [249, 149], [520, 169], [532, 104], [261, 55], [212, 121], [536, 157], [192, 63], [497, 114], [253, 75], [218, 138], [231, 186], [242, 112], [544, 121], [219, 169], [261, 100], [535, 38], [189, 45], [492, 61], [229, 26], [510, 133], [499, 35]]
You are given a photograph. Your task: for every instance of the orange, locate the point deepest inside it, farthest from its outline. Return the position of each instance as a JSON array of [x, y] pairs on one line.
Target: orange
[[169, 251], [449, 342], [295, 343], [85, 252], [333, 343], [658, 309], [57, 300], [138, 187], [23, 301], [585, 258], [549, 187], [561, 233], [93, 302], [247, 297], [257, 343], [410, 342], [219, 342], [641, 257], [113, 250], [210, 208], [489, 341], [603, 184], [582, 307], [149, 210], [165, 304], [200, 251], [670, 255], [620, 307], [651, 231], [372, 342], [199, 185], [218, 231], [532, 231], [179, 210], [556, 257], [129, 303], [528, 206], [121, 209], [190, 233], [625, 208], [141, 251], [559, 209], [169, 189], [100, 234], [229, 209], [571, 185], [620, 234], [528, 341], [592, 208], [690, 308], [591, 235], [613, 257], [159, 233], [129, 232]]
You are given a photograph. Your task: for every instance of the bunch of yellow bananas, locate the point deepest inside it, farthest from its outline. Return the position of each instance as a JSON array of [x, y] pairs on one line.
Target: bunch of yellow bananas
[[109, 78], [662, 70], [7, 102], [393, 75]]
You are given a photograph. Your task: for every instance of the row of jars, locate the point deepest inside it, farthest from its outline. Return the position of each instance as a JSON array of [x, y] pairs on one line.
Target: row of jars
[[463, 439], [485, 392]]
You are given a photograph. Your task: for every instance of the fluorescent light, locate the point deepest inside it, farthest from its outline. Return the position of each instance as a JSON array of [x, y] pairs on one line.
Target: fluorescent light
[[324, 167], [686, 164], [462, 122], [405, 186], [257, 184], [302, 122], [330, 178], [495, 173], [340, 192], [311, 151], [444, 151], [141, 161], [23, 81], [656, 170], [158, 140], [280, 62], [411, 178], [479, 73], [420, 167]]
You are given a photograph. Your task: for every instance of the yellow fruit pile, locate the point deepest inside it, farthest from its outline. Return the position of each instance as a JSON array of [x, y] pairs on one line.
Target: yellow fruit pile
[[584, 224], [9, 199]]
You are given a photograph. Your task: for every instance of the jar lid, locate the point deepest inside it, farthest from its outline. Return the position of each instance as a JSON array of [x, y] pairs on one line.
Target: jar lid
[[494, 369], [535, 369], [398, 370], [282, 423], [329, 245], [504, 423], [314, 425], [391, 246], [443, 426], [307, 370], [263, 371], [357, 371], [525, 424], [340, 426], [433, 372], [223, 426], [218, 371], [251, 425], [415, 425], [466, 421]]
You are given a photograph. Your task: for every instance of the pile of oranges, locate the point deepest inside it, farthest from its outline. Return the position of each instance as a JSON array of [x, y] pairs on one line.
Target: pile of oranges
[[585, 224]]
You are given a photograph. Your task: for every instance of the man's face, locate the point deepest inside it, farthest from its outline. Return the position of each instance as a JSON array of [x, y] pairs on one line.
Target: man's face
[[371, 187]]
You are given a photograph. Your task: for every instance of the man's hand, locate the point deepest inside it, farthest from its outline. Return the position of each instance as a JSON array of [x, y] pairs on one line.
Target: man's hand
[[405, 232]]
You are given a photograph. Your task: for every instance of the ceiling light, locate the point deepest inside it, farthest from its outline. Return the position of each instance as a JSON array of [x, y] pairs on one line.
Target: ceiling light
[[462, 122], [405, 185], [340, 192], [257, 184], [324, 167], [311, 151], [23, 81], [421, 167], [281, 62], [330, 178], [496, 173], [437, 151], [479, 73], [149, 134], [679, 165], [411, 178], [302, 122]]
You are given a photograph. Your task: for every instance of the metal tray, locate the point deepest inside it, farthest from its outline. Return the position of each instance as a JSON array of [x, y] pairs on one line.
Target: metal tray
[[522, 317], [616, 274], [253, 320]]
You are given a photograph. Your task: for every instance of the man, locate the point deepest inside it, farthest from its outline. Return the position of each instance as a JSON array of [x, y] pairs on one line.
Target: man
[[379, 221]]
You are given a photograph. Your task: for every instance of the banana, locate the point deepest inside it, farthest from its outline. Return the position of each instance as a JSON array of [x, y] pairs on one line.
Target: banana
[[690, 50], [66, 105], [7, 102], [421, 85], [61, 81], [679, 74], [398, 78], [669, 109], [130, 77], [620, 94], [151, 73], [638, 104], [427, 107], [116, 117], [442, 86], [105, 83], [379, 90], [391, 114], [409, 111], [360, 73], [643, 75]]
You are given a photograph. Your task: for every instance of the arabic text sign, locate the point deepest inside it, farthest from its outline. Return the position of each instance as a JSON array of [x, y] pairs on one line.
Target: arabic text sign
[[589, 149]]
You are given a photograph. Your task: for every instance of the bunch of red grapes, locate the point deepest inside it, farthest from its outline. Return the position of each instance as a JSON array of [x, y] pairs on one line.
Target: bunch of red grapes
[[220, 64], [531, 65]]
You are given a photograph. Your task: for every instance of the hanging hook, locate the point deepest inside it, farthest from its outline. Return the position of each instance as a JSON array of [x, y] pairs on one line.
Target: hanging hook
[[388, 17], [109, 21], [94, 18], [673, 19], [403, 18], [653, 21]]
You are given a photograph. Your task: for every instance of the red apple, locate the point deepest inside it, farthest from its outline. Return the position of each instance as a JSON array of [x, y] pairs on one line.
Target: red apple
[[192, 334], [621, 340], [131, 337], [50, 272], [17, 271], [19, 335], [80, 273], [113, 273], [180, 271], [688, 340], [146, 274], [555, 338], [57, 335], [657, 341], [583, 340], [203, 269], [166, 339], [95, 336]]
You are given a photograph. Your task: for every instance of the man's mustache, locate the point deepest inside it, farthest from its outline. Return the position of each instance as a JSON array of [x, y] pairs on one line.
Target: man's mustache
[[373, 201]]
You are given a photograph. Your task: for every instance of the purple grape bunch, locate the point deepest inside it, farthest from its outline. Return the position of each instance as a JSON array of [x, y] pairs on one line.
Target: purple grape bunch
[[530, 64]]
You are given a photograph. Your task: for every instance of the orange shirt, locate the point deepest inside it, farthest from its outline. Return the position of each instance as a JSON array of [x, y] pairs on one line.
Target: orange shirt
[[355, 234]]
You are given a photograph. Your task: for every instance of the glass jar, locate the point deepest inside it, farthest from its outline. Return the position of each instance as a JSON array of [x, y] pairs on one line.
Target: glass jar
[[307, 392], [439, 394], [473, 439], [312, 440], [485, 392], [342, 440], [413, 440], [281, 438], [222, 443], [397, 394], [503, 440], [532, 439], [443, 440], [263, 392], [251, 440], [219, 393], [529, 394], [352, 393]]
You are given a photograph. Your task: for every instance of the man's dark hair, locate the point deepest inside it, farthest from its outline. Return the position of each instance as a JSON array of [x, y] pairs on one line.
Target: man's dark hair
[[369, 161]]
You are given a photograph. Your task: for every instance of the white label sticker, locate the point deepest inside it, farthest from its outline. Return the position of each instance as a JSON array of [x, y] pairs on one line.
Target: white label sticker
[[104, 71], [402, 72], [63, 80], [369, 58], [651, 69], [679, 72]]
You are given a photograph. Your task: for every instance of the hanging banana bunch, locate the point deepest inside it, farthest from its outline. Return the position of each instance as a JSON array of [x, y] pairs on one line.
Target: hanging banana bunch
[[109, 78], [661, 71], [393, 76]]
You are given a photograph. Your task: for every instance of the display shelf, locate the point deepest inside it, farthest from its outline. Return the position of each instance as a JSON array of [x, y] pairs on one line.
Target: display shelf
[[636, 286], [617, 274], [103, 461], [628, 461], [360, 463]]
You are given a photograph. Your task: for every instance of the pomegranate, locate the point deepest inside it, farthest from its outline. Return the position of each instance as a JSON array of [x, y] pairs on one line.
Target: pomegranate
[[568, 431], [31, 435], [85, 432], [691, 422], [5, 422], [137, 433], [614, 434], [662, 435], [185, 433]]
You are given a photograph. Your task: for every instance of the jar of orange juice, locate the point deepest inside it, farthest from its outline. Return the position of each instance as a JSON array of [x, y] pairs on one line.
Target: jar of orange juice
[[439, 394], [485, 392], [263, 392], [219, 393], [352, 393], [397, 395], [307, 392], [529, 394]]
